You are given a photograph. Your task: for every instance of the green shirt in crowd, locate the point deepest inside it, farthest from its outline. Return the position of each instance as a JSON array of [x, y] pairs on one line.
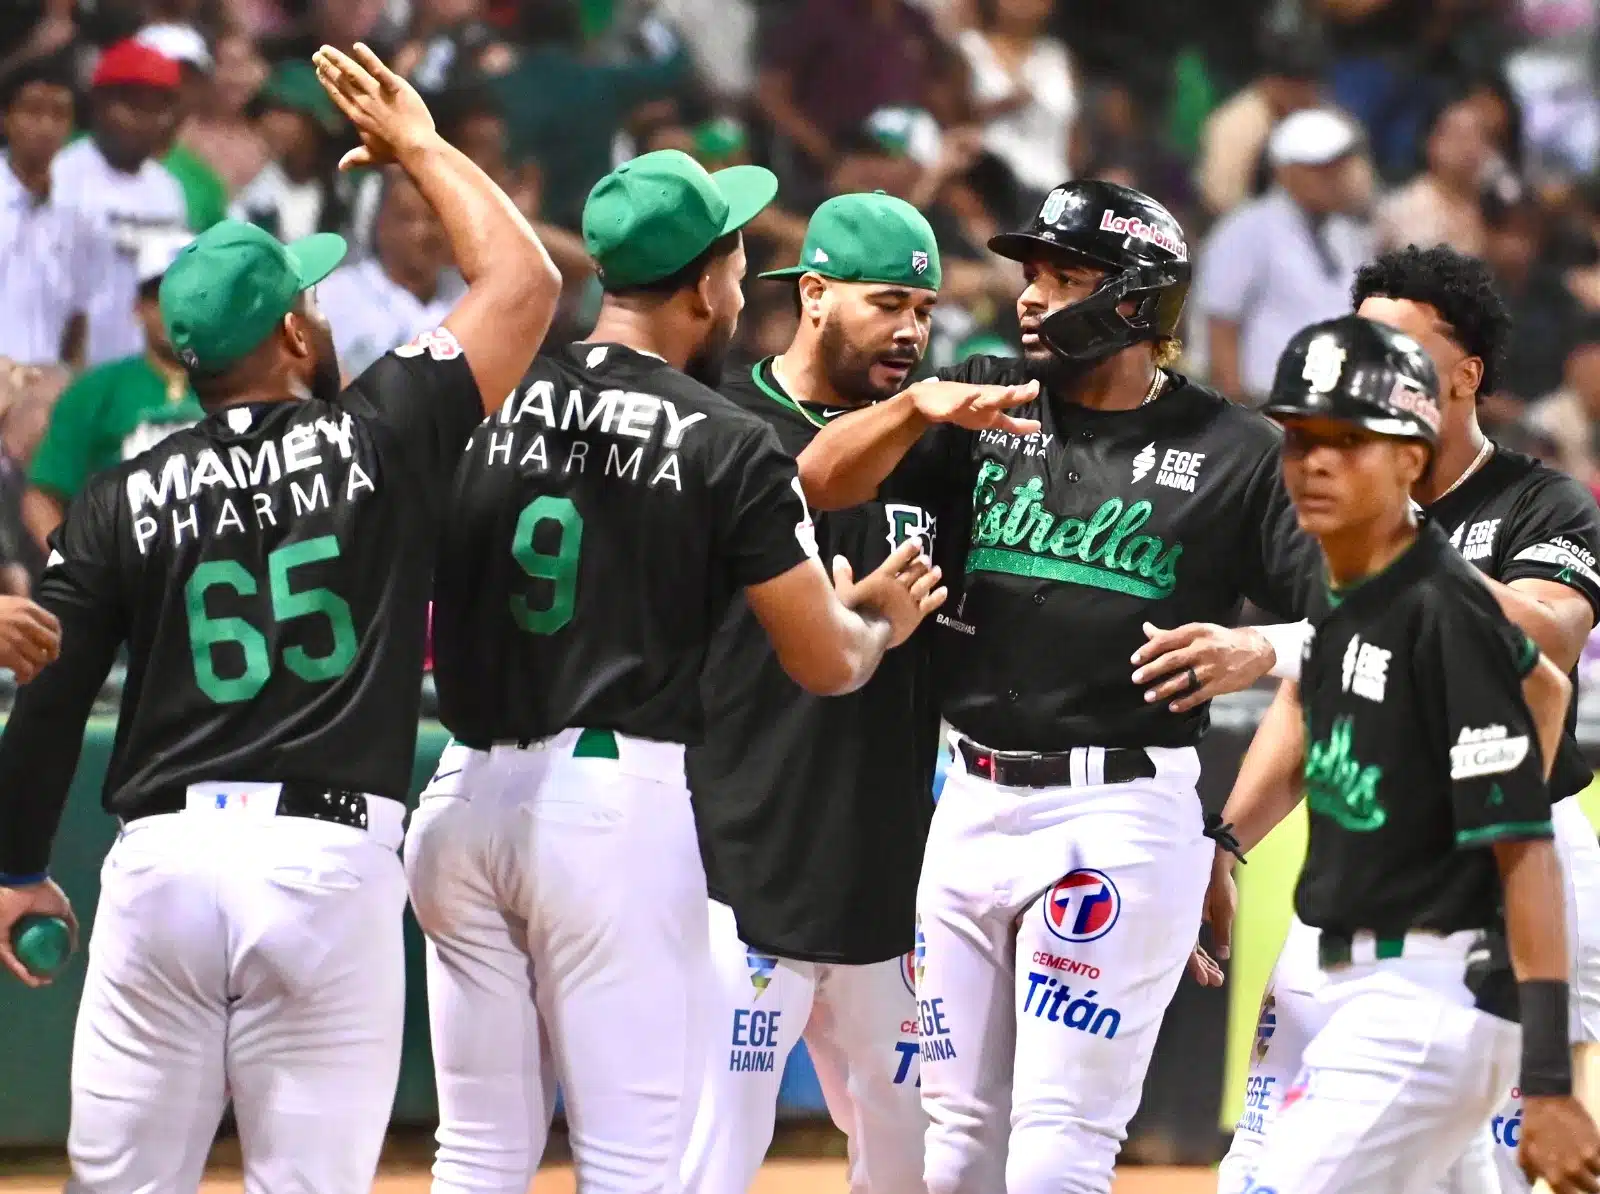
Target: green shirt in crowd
[[204, 192], [110, 414]]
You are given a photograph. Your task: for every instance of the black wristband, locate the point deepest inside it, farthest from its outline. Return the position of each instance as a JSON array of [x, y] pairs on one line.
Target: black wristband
[[1221, 832], [1546, 1046]]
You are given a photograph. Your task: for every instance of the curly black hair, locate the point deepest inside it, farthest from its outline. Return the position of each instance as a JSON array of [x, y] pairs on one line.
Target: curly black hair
[[1459, 287]]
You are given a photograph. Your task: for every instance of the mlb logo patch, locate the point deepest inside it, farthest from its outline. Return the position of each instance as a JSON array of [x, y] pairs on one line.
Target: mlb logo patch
[[1082, 906], [908, 971], [919, 261]]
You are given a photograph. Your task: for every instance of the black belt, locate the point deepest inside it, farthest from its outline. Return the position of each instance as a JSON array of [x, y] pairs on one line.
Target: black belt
[[295, 799], [1019, 769]]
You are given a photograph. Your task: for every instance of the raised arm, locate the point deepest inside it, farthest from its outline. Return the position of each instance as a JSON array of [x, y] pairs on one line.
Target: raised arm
[[512, 285]]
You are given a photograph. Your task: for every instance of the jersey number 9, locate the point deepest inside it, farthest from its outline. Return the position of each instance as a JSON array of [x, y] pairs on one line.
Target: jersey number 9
[[206, 632], [560, 568]]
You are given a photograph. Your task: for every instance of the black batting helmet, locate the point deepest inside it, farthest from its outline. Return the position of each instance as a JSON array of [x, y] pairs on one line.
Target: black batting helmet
[[1357, 371], [1127, 234]]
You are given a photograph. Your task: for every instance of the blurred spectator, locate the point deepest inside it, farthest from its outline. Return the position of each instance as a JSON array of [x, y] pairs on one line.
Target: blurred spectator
[[112, 413], [22, 423], [1443, 204], [204, 194], [720, 36], [832, 63], [1025, 93], [1571, 415], [35, 29], [296, 192], [1544, 314], [1123, 147], [218, 128], [50, 255], [113, 177], [563, 110], [1235, 134], [1286, 259], [450, 44], [406, 288]]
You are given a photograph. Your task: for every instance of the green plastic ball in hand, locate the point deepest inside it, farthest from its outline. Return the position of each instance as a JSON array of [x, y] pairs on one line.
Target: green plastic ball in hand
[[42, 944]]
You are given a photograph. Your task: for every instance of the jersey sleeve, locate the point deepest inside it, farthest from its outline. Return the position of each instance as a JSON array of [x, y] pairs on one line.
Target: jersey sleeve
[[763, 527], [44, 733], [1281, 565], [61, 462], [1476, 660], [425, 393], [1554, 535]]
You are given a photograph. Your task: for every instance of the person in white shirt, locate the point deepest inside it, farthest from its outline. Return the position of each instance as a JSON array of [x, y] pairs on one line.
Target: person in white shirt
[[51, 257], [1287, 258], [1024, 90], [297, 192], [407, 288], [113, 178]]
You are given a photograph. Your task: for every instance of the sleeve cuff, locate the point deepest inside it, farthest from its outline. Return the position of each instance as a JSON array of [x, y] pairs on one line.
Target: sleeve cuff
[[1509, 831], [8, 880], [1529, 659]]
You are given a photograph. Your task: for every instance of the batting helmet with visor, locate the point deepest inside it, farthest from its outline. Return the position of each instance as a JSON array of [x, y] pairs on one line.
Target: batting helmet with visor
[[1353, 370], [1133, 239]]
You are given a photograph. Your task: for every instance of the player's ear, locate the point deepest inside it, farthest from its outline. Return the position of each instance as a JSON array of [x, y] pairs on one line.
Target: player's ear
[[1415, 459], [1467, 376], [813, 296], [296, 333]]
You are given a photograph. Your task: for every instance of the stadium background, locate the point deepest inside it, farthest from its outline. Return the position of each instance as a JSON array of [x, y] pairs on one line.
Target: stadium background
[[1475, 122]]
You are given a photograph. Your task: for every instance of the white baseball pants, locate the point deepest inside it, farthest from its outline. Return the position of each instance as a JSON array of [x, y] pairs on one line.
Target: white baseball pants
[[1292, 1015], [1402, 1075], [238, 952], [859, 1025], [565, 908], [1056, 926]]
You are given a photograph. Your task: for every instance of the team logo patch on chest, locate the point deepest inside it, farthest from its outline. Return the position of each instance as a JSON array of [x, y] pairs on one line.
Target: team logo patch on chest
[[1478, 544], [1365, 670], [1179, 469], [1105, 550], [909, 522]]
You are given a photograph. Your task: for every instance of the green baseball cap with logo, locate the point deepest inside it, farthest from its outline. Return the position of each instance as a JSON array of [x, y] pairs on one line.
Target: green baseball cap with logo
[[653, 215], [229, 287], [869, 238]]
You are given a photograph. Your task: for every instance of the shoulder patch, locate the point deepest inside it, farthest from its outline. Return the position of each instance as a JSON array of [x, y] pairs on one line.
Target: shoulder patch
[[439, 343]]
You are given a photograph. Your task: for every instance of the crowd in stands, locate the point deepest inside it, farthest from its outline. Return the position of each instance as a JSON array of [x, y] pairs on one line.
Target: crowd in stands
[[1293, 139]]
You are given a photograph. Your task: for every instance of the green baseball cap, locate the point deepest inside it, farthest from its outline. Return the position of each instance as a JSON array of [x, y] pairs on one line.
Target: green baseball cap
[[228, 288], [869, 238], [653, 215]]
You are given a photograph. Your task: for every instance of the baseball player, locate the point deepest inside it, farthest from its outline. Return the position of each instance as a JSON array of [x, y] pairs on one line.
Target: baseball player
[[268, 571], [1534, 533], [1069, 832], [1430, 876], [813, 811], [600, 526]]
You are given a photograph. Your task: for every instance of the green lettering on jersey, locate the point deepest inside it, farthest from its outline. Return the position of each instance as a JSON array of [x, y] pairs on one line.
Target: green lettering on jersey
[[1339, 787], [207, 633], [1022, 538]]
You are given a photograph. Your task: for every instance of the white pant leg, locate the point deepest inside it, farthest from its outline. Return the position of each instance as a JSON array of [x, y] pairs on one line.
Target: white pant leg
[[1579, 853], [759, 1010], [964, 992], [1393, 1089], [1291, 1014], [622, 956], [1089, 1009], [863, 1041], [317, 984], [147, 1055], [495, 1080]]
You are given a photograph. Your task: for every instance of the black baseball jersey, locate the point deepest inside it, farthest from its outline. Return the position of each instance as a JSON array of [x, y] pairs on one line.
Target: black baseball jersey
[[269, 571], [1514, 518], [1420, 749], [1078, 535], [813, 811], [599, 525]]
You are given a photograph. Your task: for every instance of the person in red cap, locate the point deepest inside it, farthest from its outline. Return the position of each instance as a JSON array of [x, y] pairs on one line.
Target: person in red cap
[[113, 176]]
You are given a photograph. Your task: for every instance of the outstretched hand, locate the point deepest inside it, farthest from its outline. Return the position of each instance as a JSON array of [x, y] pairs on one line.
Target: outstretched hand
[[977, 408], [386, 110]]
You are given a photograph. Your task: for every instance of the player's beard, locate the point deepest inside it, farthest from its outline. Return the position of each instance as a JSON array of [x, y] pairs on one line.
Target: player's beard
[[707, 364], [849, 368]]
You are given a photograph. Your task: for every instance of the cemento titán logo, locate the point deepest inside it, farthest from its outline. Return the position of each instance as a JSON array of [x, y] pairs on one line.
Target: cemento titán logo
[[1022, 538]]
